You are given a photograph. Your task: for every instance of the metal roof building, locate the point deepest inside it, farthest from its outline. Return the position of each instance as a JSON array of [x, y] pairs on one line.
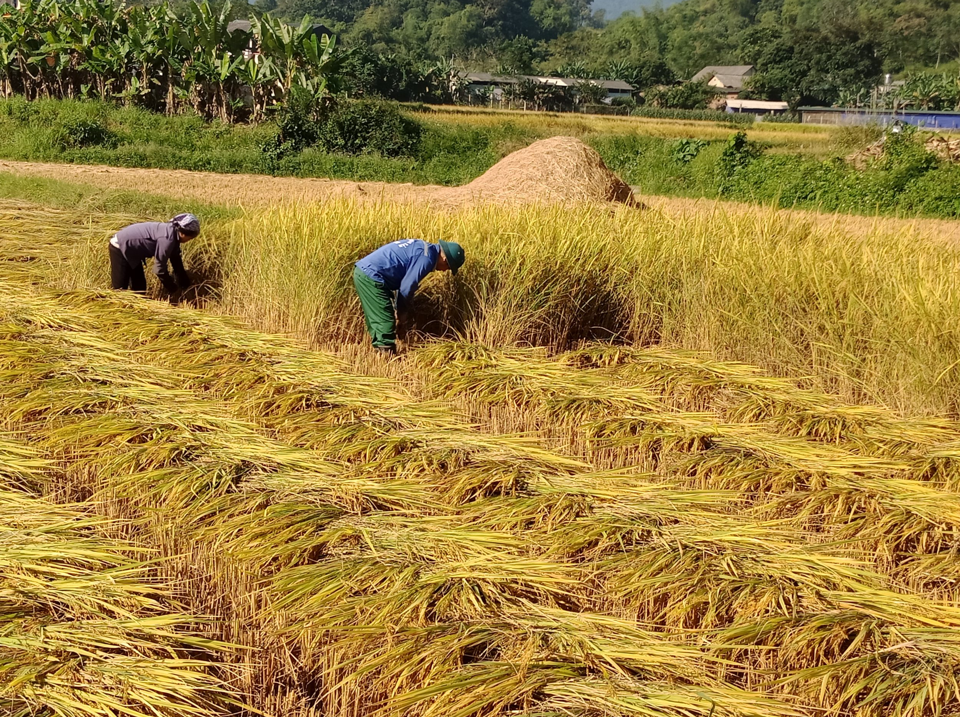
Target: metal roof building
[[756, 107], [925, 119]]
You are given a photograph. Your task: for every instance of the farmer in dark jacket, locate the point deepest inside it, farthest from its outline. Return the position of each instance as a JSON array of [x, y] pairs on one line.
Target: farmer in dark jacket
[[398, 267], [160, 241]]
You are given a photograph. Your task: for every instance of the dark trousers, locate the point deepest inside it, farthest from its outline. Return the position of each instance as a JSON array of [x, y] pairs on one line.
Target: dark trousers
[[124, 275], [378, 313]]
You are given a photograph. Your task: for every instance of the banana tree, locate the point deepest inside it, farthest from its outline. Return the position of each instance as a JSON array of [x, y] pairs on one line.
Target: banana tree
[[9, 49], [300, 56], [172, 49], [152, 57], [320, 63], [214, 57], [144, 39], [258, 75]]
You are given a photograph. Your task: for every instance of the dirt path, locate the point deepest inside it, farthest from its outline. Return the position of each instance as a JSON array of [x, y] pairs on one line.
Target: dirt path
[[248, 190], [251, 190]]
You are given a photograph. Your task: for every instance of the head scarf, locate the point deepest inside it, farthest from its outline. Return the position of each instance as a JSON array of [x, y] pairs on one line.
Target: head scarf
[[187, 223]]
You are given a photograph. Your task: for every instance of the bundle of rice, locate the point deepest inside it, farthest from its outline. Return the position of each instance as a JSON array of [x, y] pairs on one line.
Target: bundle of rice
[[945, 149], [555, 170]]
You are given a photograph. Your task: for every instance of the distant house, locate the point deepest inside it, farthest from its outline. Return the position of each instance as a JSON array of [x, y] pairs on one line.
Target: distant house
[[496, 84], [924, 119], [478, 82], [728, 80], [756, 107]]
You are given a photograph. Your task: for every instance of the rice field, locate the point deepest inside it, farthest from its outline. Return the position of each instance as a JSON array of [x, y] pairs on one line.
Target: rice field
[[201, 517], [806, 139], [863, 309]]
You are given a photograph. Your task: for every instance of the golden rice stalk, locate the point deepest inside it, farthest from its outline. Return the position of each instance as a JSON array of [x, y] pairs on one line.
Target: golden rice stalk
[[85, 631], [581, 697]]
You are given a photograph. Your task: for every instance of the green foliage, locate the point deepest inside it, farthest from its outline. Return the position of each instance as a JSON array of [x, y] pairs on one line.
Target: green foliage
[[738, 153], [368, 74], [937, 92], [85, 133], [297, 129], [686, 96], [804, 48], [907, 179], [685, 150], [152, 57], [695, 115], [363, 126], [806, 66]]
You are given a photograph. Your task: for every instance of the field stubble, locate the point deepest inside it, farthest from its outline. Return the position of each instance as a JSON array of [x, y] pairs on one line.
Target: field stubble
[[659, 534]]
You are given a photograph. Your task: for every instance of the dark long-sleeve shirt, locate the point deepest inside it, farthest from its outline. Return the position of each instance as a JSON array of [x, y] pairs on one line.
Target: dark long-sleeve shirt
[[400, 266], [157, 240]]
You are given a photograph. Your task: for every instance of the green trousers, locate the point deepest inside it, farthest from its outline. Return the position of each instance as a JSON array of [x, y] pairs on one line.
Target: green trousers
[[377, 303]]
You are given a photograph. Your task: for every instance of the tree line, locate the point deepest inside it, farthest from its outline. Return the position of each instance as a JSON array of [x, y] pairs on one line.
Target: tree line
[[805, 51], [178, 54]]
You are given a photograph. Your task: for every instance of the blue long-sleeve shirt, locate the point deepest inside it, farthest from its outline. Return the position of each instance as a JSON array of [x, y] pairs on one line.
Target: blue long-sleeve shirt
[[400, 266], [157, 240]]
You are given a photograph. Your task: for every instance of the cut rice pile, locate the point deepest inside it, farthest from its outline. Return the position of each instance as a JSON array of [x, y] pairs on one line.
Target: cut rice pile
[[559, 169], [945, 149]]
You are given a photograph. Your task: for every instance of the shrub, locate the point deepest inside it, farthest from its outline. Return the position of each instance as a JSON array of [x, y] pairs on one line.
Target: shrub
[[18, 109], [359, 127], [738, 153], [627, 102], [936, 193], [80, 133], [702, 115], [685, 150]]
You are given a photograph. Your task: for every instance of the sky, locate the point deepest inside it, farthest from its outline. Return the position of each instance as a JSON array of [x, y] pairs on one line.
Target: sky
[[614, 8]]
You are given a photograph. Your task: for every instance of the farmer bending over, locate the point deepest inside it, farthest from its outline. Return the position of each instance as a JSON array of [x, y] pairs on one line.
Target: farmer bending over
[[398, 267], [161, 241]]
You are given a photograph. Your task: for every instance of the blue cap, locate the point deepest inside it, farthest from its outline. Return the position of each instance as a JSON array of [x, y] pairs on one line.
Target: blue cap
[[454, 254]]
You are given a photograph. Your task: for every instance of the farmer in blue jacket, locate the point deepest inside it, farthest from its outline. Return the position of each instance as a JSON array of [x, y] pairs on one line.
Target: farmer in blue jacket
[[160, 241], [398, 267]]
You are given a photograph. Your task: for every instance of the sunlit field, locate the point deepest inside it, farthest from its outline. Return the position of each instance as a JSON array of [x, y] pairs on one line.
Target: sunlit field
[[676, 461], [796, 138]]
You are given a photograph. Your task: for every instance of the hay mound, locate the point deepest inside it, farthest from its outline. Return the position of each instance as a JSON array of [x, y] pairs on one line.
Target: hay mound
[[863, 158], [946, 149], [559, 169]]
